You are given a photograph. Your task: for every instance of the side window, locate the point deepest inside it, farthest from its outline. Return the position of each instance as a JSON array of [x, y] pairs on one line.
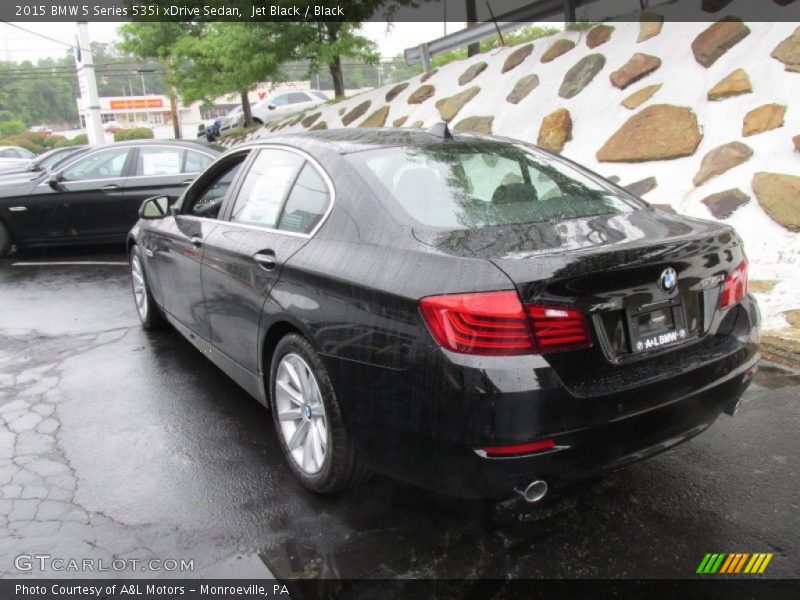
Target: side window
[[206, 196], [265, 186], [196, 162], [157, 161], [281, 100], [8, 153], [298, 97], [100, 165], [307, 202]]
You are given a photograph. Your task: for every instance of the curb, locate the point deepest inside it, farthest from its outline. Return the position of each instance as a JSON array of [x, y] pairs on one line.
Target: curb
[[782, 346]]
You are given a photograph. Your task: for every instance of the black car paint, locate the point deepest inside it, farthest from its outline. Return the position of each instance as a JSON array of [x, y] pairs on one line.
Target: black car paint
[[419, 412], [85, 212]]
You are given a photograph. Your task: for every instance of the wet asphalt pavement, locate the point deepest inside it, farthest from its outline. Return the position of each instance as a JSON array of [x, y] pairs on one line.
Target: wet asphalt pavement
[[118, 443]]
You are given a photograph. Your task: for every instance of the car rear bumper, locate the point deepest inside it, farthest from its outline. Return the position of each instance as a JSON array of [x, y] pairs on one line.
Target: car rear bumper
[[427, 425]]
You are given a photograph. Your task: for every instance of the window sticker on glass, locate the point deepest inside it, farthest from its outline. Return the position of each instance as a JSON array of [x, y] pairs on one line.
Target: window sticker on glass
[[159, 162]]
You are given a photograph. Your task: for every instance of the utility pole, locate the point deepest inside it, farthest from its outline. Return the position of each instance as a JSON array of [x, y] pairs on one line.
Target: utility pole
[[144, 93], [88, 85]]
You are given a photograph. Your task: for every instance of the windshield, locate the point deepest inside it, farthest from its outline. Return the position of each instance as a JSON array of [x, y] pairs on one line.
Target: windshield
[[468, 185]]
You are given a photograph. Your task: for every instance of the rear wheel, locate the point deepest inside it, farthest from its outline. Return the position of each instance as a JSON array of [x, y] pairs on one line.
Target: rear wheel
[[149, 314], [308, 420], [5, 241]]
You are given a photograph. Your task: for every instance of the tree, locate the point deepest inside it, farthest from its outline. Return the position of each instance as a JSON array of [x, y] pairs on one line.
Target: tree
[[472, 18], [329, 41], [232, 57], [155, 40]]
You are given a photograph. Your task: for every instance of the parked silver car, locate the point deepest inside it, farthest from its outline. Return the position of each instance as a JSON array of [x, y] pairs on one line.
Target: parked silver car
[[283, 103]]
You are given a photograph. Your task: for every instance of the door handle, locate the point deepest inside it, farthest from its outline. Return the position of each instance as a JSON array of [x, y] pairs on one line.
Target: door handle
[[110, 186], [196, 241], [17, 208], [266, 258], [187, 181]]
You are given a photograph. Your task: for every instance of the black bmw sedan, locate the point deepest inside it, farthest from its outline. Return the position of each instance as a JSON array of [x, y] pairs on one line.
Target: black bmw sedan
[[94, 197], [466, 313]]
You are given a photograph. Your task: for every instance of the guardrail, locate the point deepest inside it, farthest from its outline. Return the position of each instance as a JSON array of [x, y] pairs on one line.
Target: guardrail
[[535, 11]]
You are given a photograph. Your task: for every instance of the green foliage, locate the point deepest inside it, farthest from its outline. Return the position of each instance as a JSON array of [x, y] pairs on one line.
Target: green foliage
[[44, 92], [11, 127], [79, 140], [135, 133], [51, 140], [512, 38], [27, 139], [580, 25]]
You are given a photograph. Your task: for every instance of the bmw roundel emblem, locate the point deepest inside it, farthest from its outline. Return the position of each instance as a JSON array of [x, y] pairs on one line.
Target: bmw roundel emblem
[[669, 279]]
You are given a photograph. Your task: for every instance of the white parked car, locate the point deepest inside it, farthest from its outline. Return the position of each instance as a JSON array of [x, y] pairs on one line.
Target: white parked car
[[10, 155], [283, 103]]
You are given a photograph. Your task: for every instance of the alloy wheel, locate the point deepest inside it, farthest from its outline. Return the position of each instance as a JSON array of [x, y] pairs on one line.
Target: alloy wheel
[[139, 287], [301, 413]]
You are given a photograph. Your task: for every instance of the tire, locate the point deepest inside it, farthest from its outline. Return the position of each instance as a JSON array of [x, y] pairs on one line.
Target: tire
[[5, 241], [149, 314], [340, 466]]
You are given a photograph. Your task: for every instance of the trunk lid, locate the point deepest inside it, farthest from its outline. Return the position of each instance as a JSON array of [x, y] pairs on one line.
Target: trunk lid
[[612, 268]]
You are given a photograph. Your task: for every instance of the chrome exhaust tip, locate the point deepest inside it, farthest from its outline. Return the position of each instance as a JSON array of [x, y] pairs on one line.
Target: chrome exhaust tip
[[534, 491]]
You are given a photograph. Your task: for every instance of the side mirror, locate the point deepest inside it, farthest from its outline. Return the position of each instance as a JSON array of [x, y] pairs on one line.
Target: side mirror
[[156, 207], [271, 107], [54, 181]]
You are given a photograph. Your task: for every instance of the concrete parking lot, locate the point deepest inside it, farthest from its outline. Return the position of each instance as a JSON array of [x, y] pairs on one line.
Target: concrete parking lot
[[118, 443]]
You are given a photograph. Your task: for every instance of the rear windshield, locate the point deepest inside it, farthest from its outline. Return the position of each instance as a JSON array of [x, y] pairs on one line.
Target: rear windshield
[[463, 185]]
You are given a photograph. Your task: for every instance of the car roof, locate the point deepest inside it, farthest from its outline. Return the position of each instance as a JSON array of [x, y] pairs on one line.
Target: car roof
[[348, 140], [182, 143]]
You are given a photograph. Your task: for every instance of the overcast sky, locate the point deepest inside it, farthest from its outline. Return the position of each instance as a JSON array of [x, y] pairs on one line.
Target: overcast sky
[[18, 45]]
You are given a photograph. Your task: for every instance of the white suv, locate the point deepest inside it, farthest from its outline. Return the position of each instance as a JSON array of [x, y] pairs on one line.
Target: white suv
[[283, 103]]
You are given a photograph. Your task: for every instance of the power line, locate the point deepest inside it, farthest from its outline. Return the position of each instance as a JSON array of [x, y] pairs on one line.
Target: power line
[[44, 37]]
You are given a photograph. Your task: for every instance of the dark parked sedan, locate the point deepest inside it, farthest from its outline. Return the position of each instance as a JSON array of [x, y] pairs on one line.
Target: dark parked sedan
[[43, 162], [466, 313], [95, 197]]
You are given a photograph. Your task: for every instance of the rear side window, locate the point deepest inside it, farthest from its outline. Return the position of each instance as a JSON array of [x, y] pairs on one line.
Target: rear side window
[[297, 97], [196, 162], [307, 202], [265, 187], [468, 185]]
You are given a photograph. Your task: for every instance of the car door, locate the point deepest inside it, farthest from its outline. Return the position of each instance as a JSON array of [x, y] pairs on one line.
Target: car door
[[89, 194], [160, 170], [282, 197], [174, 245]]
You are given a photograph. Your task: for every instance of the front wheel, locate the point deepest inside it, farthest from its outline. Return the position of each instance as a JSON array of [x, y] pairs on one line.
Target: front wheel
[[308, 420], [146, 307]]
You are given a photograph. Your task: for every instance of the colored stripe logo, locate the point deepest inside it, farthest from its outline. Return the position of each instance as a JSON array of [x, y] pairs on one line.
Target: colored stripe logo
[[734, 563]]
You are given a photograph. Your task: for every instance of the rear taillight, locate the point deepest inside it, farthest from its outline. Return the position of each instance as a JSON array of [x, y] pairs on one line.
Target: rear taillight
[[558, 328], [491, 323], [497, 324], [735, 288]]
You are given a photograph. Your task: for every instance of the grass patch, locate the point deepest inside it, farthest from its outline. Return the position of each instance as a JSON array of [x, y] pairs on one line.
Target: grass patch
[[239, 131]]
